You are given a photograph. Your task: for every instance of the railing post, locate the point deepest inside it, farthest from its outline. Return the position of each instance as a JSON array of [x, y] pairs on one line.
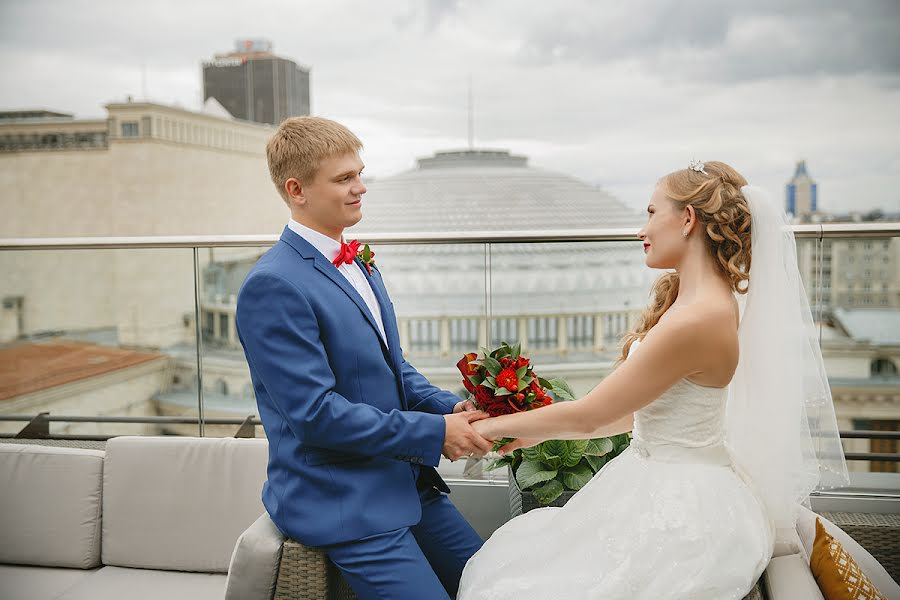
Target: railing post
[[562, 334], [444, 336], [598, 332], [37, 428], [247, 429], [522, 331]]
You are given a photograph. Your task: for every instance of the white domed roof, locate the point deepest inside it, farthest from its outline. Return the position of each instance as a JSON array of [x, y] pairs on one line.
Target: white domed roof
[[469, 190]]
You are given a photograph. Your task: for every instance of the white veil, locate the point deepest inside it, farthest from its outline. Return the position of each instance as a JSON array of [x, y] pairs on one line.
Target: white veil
[[780, 424]]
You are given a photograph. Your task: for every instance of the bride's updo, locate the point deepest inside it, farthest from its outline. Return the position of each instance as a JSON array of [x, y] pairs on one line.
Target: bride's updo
[[724, 216]]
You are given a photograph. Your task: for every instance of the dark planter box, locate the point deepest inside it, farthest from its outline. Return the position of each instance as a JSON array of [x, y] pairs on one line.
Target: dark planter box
[[521, 502]]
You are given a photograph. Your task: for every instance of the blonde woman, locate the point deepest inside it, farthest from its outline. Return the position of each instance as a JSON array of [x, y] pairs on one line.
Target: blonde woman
[[718, 402]]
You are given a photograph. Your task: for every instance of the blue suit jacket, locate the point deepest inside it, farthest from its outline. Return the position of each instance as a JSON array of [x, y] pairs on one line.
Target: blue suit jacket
[[349, 421]]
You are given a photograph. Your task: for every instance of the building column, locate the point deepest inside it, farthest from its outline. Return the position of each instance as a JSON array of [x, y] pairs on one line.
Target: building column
[[522, 330], [403, 327], [232, 329], [217, 330], [598, 332], [445, 336]]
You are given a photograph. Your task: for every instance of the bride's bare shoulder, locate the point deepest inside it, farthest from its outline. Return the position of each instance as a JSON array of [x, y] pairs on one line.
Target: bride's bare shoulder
[[710, 324]]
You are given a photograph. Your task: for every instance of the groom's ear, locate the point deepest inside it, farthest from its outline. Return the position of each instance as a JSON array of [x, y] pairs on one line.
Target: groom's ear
[[295, 191]]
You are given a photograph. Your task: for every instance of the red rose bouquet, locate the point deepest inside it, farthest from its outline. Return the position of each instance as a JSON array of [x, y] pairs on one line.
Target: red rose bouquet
[[503, 381]]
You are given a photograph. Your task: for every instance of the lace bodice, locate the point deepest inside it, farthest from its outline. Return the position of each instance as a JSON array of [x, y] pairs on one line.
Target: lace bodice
[[687, 414]]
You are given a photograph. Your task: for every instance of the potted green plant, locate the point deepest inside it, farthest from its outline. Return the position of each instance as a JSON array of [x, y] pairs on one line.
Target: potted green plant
[[550, 473]]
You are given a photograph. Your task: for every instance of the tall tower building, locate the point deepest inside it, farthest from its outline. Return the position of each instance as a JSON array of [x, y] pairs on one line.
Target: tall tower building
[[801, 196], [253, 84]]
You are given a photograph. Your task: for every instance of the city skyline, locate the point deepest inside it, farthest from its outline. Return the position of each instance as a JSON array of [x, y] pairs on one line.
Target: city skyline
[[591, 90]]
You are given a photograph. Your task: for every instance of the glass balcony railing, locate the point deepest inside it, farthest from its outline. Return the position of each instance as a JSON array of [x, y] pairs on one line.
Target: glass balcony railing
[[104, 337]]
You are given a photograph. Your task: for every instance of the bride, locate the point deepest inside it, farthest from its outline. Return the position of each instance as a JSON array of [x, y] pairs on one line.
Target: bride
[[730, 410]]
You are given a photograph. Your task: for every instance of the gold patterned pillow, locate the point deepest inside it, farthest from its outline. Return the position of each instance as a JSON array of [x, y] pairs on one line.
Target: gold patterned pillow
[[836, 573]]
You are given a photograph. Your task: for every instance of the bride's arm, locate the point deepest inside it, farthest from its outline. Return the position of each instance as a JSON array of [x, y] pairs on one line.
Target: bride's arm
[[623, 425], [670, 351]]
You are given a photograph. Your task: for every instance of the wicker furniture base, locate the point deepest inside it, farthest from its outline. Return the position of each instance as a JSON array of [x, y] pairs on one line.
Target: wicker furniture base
[[307, 574], [877, 533]]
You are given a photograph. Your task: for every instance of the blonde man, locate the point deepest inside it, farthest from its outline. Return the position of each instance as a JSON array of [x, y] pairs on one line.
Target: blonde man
[[354, 430]]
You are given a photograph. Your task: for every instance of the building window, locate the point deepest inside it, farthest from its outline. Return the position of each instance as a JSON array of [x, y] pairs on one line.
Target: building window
[[208, 320], [223, 326], [424, 335], [130, 129], [580, 331], [881, 367], [463, 335], [868, 245]]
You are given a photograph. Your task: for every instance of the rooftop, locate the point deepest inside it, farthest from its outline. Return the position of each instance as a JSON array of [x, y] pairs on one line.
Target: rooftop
[[31, 367]]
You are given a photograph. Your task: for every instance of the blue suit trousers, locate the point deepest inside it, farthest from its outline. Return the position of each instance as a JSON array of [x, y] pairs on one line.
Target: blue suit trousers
[[422, 562]]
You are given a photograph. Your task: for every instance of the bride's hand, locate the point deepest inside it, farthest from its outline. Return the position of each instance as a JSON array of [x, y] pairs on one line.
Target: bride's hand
[[483, 428], [519, 443]]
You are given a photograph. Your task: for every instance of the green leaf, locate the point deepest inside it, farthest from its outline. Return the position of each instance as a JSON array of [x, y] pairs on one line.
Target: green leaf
[[596, 462], [520, 372], [476, 379], [575, 450], [517, 350], [599, 446], [491, 380], [532, 453], [544, 383], [367, 253], [553, 451], [502, 391], [576, 477], [561, 389], [492, 366], [533, 473], [548, 492]]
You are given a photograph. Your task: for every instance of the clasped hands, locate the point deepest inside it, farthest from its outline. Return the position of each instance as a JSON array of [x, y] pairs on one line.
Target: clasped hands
[[468, 433]]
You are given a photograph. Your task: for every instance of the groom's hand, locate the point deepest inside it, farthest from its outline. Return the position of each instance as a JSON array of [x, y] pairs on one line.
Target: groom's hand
[[460, 439], [464, 406]]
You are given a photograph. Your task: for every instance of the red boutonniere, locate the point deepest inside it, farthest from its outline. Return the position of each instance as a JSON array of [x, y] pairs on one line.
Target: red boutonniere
[[366, 257]]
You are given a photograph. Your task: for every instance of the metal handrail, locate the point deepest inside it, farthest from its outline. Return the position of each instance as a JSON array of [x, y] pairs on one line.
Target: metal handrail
[[255, 421], [621, 234]]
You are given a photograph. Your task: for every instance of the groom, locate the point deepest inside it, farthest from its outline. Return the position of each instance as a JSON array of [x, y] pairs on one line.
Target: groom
[[354, 430]]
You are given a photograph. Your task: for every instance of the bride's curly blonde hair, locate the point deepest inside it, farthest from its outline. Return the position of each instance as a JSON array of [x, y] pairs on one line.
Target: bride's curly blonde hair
[[722, 209]]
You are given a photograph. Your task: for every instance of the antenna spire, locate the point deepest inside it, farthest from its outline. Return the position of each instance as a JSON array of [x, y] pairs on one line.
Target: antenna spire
[[471, 117]]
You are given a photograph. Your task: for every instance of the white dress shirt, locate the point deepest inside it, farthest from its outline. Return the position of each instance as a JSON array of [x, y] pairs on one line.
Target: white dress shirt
[[352, 272]]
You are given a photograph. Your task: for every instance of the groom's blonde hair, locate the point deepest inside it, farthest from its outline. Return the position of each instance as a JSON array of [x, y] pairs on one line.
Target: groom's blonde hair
[[300, 144]]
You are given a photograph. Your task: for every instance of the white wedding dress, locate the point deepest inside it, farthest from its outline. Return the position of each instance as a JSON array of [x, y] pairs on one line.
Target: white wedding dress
[[668, 518]]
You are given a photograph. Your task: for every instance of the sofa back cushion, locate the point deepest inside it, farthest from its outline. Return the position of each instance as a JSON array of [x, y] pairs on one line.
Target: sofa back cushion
[[176, 503], [50, 501]]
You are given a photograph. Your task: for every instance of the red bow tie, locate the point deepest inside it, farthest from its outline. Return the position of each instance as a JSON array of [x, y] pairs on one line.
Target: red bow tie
[[347, 253]]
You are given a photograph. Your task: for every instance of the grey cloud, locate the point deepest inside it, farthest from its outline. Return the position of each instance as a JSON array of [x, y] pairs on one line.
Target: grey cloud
[[709, 38]]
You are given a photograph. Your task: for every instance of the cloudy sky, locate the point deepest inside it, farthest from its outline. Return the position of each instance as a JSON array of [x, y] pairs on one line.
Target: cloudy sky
[[615, 93]]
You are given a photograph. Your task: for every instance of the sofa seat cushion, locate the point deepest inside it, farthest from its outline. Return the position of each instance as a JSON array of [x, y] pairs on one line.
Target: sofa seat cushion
[[21, 582], [115, 583], [50, 501], [789, 578], [179, 503]]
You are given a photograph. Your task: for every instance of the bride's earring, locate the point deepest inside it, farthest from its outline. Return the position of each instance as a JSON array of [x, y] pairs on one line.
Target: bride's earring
[[684, 233]]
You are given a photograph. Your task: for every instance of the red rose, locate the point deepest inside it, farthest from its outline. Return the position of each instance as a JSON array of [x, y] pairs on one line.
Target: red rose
[[518, 404], [483, 397], [507, 379], [465, 368], [521, 362], [499, 409]]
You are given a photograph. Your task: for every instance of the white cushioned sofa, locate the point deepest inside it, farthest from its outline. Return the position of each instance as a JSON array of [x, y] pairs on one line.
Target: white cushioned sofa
[[151, 517]]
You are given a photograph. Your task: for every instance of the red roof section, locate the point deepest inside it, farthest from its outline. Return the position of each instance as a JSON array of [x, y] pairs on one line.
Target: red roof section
[[31, 367]]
